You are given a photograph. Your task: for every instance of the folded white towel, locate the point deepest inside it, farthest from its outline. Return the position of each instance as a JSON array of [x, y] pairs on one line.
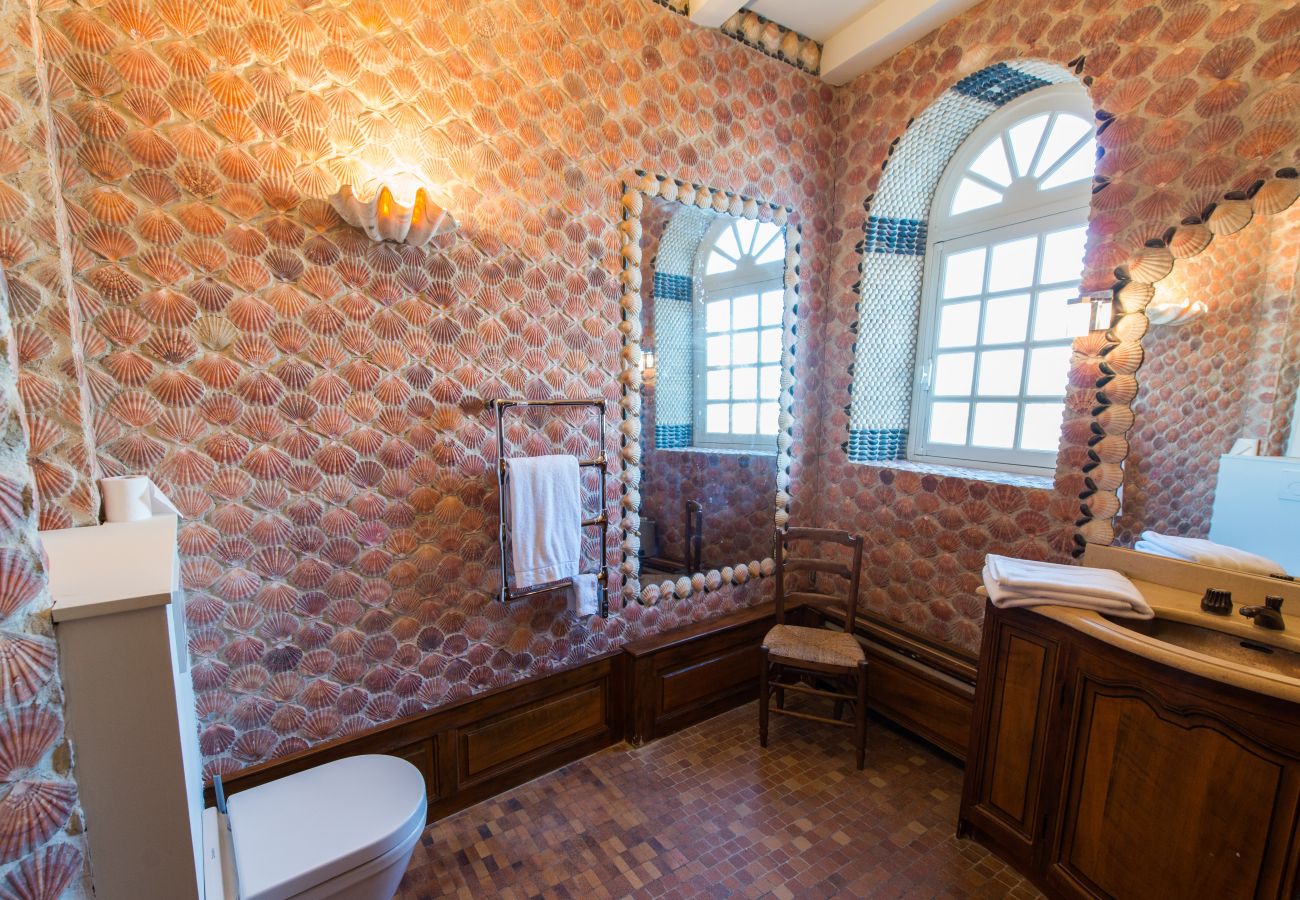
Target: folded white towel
[[586, 595], [545, 500], [1207, 553], [1023, 582]]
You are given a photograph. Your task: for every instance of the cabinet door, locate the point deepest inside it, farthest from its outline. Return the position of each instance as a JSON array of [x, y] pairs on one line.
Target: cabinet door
[[1008, 756], [1164, 802]]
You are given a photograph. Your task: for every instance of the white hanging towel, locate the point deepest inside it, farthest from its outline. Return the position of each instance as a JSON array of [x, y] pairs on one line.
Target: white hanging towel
[[1023, 582], [545, 499], [586, 595], [1206, 553]]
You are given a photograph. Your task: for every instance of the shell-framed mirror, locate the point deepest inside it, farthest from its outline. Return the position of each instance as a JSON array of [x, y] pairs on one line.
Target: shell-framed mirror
[[710, 288]]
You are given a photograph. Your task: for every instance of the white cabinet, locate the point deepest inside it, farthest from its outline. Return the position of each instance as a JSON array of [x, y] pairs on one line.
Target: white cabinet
[[119, 620]]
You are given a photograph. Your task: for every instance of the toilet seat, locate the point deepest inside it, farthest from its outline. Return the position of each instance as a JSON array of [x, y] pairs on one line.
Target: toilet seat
[[312, 833]]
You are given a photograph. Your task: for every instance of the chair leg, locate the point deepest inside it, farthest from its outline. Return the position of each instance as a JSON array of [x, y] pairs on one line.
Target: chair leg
[[839, 710], [762, 699], [861, 711], [780, 691]]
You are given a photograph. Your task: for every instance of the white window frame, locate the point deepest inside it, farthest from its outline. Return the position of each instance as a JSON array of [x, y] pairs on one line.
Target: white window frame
[[746, 278], [1023, 213]]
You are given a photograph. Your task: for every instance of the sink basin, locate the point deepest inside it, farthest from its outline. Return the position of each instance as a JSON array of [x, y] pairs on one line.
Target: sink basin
[[1232, 648]]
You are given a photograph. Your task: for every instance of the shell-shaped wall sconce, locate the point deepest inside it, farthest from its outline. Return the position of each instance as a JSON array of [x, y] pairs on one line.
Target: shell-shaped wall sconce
[[1175, 312], [384, 217]]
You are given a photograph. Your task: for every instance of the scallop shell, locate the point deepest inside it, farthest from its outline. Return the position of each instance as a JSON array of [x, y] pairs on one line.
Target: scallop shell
[[104, 161], [1103, 476], [1276, 195], [46, 874], [1229, 216], [205, 256], [177, 389], [86, 31], [155, 187], [186, 59], [163, 265], [93, 74], [26, 665], [210, 295], [31, 813], [110, 206], [19, 583], [138, 451], [1189, 240], [99, 120], [1122, 359], [168, 308], [1151, 264], [136, 408], [140, 67], [1117, 389], [129, 368], [231, 90]]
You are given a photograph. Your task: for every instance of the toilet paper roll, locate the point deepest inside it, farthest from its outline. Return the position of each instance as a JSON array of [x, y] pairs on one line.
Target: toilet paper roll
[[130, 498]]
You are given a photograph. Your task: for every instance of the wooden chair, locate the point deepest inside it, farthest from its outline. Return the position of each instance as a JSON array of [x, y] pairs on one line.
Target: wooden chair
[[811, 654]]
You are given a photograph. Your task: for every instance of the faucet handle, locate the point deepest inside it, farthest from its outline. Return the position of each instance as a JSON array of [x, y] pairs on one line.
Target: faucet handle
[[1273, 603], [1217, 601]]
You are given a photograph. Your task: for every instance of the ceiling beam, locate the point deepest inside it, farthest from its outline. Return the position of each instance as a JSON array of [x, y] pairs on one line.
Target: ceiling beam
[[712, 13], [881, 32]]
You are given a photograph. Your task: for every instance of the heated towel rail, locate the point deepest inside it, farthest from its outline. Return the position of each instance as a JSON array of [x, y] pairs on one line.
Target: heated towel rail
[[601, 520]]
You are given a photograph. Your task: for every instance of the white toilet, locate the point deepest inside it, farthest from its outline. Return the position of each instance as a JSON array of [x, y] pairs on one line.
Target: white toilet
[[344, 830]]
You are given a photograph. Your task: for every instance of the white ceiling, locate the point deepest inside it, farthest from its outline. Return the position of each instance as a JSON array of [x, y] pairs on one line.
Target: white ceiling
[[855, 35], [817, 19]]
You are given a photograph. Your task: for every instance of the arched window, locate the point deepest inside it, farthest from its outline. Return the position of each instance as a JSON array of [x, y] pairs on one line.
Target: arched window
[[738, 323], [1005, 251]]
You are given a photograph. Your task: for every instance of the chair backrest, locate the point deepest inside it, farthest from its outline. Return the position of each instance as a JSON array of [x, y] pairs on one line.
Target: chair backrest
[[787, 563]]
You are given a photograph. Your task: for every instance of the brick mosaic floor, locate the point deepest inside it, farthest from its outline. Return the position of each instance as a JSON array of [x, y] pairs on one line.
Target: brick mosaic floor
[[707, 813]]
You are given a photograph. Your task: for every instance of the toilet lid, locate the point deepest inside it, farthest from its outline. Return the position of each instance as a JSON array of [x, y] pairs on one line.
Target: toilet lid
[[298, 831]]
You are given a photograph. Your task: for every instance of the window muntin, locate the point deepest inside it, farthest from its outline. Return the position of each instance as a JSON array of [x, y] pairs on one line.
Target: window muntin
[[1008, 228], [740, 307]]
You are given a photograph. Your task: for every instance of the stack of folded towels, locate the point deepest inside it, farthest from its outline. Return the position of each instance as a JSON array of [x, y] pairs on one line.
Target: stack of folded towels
[[1206, 553], [1024, 582]]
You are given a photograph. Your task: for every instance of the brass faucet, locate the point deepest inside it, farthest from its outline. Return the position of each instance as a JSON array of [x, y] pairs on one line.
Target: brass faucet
[[1267, 616]]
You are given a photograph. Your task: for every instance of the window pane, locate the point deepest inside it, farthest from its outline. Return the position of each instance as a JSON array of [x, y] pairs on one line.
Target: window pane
[[718, 350], [1007, 319], [773, 307], [1042, 429], [718, 386], [729, 242], [744, 418], [1079, 166], [963, 273], [995, 425], [992, 164], [958, 324], [744, 312], [1048, 369], [1012, 265], [972, 195], [719, 263], [744, 384], [1000, 373], [770, 345], [746, 229], [771, 245], [715, 420], [1066, 130], [769, 382], [1063, 255], [717, 315], [744, 349], [948, 423], [768, 418], [1025, 137], [1051, 320], [953, 373]]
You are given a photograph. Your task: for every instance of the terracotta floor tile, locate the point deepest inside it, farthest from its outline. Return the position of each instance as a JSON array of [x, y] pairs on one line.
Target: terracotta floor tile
[[707, 813]]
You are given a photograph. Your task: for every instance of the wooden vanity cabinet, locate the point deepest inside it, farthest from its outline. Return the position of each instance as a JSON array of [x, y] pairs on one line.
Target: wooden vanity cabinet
[[1098, 773]]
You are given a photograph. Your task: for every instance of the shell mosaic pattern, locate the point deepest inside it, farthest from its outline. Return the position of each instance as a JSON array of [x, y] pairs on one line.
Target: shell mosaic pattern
[[1241, 350], [765, 36], [315, 403], [1229, 346], [637, 190], [1195, 100], [40, 853]]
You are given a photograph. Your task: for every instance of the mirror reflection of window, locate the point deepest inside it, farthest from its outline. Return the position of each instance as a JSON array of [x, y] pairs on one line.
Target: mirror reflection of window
[[739, 307]]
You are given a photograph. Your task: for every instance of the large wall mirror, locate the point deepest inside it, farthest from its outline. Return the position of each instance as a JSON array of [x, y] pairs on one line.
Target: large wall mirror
[[709, 307], [1214, 447]]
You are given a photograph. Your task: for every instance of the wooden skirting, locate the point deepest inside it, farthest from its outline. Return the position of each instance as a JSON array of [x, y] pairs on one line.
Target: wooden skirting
[[481, 746], [694, 673], [926, 688]]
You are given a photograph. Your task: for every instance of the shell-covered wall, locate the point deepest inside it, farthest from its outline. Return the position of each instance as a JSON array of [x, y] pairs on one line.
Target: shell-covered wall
[[1194, 98], [1225, 375], [41, 851], [313, 402]]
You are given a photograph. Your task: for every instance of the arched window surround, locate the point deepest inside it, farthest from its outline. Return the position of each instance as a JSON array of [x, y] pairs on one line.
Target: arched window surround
[[893, 253], [1004, 427]]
